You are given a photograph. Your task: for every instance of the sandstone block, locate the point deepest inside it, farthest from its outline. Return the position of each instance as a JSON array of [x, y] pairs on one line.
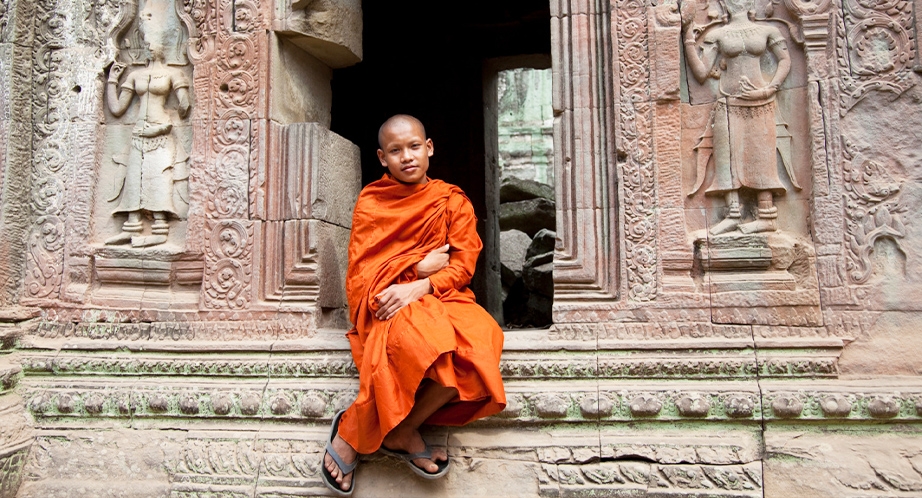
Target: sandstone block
[[529, 216], [313, 173], [513, 189], [330, 30], [538, 275], [300, 91], [543, 243], [841, 464], [514, 245]]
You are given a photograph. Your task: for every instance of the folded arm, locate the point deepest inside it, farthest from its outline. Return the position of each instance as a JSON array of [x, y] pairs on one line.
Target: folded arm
[[465, 248], [448, 267]]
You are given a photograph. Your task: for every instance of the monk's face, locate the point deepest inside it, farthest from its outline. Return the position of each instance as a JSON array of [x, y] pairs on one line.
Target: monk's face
[[405, 152]]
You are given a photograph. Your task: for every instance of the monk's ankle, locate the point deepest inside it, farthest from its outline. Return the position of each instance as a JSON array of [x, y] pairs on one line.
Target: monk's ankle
[[402, 439], [345, 451]]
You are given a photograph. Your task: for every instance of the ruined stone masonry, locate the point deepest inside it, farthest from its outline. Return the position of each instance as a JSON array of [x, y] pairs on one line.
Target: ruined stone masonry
[[737, 275]]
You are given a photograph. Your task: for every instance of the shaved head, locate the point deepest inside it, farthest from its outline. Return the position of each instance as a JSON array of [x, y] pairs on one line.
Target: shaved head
[[399, 119]]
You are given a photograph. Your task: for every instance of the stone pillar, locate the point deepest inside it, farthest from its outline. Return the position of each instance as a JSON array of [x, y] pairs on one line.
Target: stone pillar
[[16, 32]]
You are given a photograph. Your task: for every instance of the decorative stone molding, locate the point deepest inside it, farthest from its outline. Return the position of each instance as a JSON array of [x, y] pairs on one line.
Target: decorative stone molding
[[15, 152], [513, 366], [256, 328], [873, 209], [315, 365], [45, 240], [16, 432], [310, 189], [528, 402], [654, 480], [238, 465]]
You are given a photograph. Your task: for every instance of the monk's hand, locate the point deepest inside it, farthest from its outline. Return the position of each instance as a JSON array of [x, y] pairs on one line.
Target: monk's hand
[[433, 262], [397, 296]]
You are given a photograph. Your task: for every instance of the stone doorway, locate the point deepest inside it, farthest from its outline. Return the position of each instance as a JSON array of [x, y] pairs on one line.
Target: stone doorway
[[430, 60]]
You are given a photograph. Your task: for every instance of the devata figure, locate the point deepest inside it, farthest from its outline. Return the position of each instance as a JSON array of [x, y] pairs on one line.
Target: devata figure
[[156, 159], [742, 129]]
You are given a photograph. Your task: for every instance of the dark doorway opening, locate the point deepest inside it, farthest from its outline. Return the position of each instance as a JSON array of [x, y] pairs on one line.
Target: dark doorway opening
[[427, 59]]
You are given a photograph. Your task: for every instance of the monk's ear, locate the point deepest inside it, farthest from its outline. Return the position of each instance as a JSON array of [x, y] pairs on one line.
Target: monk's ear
[[430, 147], [381, 158]]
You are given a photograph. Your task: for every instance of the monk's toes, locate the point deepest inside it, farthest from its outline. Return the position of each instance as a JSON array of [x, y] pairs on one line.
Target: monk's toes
[[439, 456], [427, 465]]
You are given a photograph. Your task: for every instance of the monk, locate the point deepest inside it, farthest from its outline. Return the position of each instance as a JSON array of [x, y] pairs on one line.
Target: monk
[[425, 351]]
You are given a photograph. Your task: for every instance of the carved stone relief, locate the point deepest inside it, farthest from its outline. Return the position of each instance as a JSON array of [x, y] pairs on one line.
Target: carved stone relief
[[637, 178], [880, 186], [15, 162], [746, 160], [150, 164], [646, 479], [661, 321]]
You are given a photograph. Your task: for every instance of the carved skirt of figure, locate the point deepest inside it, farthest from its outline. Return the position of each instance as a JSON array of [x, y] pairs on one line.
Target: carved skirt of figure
[[744, 147], [149, 178]]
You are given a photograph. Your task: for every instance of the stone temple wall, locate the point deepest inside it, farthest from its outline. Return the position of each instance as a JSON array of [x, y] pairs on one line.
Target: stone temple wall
[[736, 275], [525, 129]]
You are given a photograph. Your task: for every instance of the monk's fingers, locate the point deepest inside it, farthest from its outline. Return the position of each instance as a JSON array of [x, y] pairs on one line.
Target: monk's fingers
[[387, 311], [395, 309], [391, 313]]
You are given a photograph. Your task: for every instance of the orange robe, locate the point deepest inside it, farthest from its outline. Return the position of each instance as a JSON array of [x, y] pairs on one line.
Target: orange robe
[[445, 336]]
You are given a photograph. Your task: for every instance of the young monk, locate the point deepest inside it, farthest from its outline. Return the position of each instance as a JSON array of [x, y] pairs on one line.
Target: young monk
[[425, 351]]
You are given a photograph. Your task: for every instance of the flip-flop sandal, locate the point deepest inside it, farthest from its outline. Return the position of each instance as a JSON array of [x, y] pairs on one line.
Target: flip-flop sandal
[[345, 468], [409, 457]]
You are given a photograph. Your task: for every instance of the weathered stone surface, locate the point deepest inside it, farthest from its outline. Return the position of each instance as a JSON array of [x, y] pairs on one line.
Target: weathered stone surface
[[514, 245], [512, 189], [543, 243], [886, 346], [59, 464], [841, 463], [330, 30], [528, 216], [300, 91], [313, 174], [538, 276]]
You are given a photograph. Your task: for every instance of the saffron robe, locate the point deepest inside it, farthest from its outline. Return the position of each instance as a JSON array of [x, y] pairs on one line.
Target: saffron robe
[[445, 336]]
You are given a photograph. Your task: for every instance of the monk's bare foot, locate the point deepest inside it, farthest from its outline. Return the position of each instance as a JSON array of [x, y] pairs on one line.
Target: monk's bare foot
[[348, 455], [411, 441]]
